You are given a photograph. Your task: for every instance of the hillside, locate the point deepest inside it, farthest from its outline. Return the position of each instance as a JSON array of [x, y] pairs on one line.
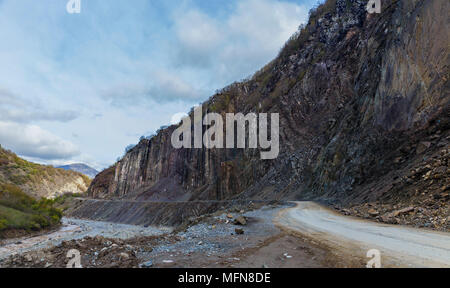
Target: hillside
[[20, 214], [364, 126], [81, 168], [39, 181]]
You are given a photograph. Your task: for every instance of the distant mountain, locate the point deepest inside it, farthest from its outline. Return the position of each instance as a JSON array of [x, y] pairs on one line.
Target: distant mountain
[[81, 168]]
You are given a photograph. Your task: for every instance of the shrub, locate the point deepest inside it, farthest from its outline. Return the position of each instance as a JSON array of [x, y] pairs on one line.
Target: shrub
[[12, 196], [20, 211], [3, 224]]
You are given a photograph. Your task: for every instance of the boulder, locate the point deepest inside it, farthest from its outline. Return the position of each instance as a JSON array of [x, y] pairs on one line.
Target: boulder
[[147, 264], [240, 221], [402, 211], [124, 256], [372, 212], [239, 231], [422, 147]]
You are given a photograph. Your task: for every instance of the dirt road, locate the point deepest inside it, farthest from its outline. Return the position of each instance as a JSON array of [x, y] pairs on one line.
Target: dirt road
[[307, 235], [399, 246]]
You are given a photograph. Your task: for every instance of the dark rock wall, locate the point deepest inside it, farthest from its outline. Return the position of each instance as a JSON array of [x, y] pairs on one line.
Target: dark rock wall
[[352, 89]]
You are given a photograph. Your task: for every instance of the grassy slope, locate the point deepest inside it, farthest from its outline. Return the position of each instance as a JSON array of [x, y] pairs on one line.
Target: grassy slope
[[20, 211]]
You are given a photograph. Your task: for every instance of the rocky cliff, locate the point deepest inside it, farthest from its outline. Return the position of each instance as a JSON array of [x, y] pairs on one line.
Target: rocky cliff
[[363, 101]]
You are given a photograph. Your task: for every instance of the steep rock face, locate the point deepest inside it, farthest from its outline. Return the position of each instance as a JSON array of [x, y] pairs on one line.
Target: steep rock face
[[355, 92]]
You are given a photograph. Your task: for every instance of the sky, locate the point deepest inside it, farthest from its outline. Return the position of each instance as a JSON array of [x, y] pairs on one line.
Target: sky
[[79, 88]]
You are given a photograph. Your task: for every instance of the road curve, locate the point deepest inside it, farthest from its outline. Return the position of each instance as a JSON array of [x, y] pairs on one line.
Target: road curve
[[399, 246]]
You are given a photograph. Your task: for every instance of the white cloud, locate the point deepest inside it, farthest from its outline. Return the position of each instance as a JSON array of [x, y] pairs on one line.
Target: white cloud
[[171, 87], [145, 58], [33, 141], [177, 117], [23, 116], [238, 45], [197, 31], [19, 109], [164, 87], [269, 32]]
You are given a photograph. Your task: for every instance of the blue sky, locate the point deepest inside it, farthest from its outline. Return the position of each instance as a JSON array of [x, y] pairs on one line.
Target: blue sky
[[81, 87]]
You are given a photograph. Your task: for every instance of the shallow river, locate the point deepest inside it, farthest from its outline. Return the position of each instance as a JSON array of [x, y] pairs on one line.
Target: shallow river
[[77, 229]]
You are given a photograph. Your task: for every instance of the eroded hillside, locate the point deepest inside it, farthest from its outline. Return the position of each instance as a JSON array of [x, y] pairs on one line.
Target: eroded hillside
[[39, 181]]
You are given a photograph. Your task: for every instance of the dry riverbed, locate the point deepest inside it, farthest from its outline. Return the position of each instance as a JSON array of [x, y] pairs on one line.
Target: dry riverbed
[[216, 241]]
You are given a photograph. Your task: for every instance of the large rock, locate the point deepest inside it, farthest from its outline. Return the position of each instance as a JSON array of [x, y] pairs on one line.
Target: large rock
[[402, 211], [240, 221], [422, 147], [239, 231], [372, 212], [147, 264]]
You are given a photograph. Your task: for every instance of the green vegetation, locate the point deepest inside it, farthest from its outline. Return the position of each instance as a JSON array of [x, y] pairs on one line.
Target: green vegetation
[[222, 103], [65, 201], [18, 180], [20, 211]]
